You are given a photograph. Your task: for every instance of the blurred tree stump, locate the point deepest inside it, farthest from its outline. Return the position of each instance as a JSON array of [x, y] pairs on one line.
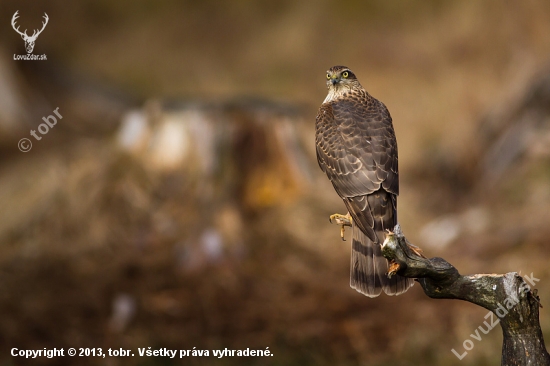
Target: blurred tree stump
[[249, 151], [508, 296]]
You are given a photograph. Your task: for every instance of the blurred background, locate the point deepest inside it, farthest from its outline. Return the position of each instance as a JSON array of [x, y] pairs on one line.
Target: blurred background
[[177, 203]]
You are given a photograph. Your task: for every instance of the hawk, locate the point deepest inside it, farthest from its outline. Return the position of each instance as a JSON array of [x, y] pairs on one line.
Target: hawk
[[357, 149]]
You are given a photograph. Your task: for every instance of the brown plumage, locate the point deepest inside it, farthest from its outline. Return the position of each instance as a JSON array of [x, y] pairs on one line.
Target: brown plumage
[[357, 149]]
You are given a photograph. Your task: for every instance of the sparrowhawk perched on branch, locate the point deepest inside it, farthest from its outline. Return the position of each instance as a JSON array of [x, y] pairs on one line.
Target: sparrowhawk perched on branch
[[357, 149]]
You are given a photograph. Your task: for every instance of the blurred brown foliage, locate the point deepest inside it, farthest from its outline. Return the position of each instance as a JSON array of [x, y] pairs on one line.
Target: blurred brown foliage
[[178, 203]]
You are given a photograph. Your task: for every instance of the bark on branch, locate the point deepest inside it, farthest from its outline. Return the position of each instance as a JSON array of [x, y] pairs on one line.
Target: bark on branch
[[506, 295]]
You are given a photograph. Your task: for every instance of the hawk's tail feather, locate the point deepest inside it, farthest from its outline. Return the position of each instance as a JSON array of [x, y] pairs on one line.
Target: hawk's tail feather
[[369, 268]]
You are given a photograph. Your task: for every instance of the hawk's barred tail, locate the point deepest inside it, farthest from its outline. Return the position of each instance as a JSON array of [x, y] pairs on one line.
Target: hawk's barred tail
[[369, 268]]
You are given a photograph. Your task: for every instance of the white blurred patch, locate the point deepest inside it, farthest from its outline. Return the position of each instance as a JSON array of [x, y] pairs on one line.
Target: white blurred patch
[[133, 131], [441, 231], [444, 230], [170, 143], [212, 245], [124, 309], [208, 249]]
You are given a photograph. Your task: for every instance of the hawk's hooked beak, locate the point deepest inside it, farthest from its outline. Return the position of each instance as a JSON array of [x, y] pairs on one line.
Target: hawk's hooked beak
[[335, 80]]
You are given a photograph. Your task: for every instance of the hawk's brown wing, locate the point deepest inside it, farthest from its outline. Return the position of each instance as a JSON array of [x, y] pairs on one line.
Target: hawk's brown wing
[[357, 149]]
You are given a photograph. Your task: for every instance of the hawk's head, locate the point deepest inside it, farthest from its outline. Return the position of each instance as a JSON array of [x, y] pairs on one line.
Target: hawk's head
[[340, 80], [338, 76]]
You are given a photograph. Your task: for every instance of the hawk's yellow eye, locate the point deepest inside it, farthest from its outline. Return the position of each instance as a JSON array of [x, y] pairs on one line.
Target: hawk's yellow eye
[[328, 76], [345, 74]]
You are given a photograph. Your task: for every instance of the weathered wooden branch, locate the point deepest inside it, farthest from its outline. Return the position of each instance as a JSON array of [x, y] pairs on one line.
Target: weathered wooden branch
[[508, 296]]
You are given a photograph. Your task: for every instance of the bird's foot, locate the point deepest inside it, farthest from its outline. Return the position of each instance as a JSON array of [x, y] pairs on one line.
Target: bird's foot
[[393, 268], [342, 220]]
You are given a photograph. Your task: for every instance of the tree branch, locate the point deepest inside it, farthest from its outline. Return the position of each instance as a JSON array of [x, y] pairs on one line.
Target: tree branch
[[506, 295]]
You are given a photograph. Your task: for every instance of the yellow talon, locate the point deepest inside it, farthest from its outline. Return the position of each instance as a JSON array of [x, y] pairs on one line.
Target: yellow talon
[[343, 220]]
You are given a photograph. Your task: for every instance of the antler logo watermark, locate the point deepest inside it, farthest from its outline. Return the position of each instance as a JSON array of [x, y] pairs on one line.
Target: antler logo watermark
[[29, 40]]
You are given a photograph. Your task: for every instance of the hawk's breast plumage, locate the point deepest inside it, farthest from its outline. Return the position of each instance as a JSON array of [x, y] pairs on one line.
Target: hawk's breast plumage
[[357, 149]]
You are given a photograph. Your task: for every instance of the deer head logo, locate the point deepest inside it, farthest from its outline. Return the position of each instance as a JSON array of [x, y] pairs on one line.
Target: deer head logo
[[29, 41]]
